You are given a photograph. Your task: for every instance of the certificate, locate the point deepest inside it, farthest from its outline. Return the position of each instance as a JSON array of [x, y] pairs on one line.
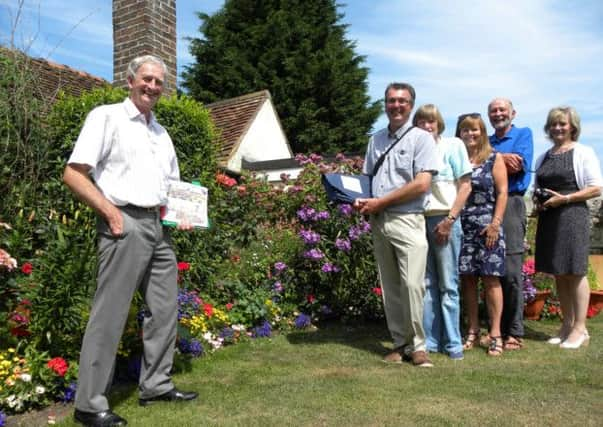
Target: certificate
[[186, 202]]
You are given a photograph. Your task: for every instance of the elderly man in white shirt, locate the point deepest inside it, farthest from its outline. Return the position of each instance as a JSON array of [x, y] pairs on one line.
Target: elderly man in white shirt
[[120, 167]]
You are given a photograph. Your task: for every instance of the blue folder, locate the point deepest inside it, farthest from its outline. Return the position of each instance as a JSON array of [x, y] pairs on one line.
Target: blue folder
[[346, 188]]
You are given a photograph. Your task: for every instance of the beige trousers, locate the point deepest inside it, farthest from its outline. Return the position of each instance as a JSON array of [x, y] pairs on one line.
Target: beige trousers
[[401, 253]]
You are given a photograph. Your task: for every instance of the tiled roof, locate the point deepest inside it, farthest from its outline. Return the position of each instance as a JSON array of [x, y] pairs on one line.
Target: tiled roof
[[50, 77], [55, 77], [233, 117]]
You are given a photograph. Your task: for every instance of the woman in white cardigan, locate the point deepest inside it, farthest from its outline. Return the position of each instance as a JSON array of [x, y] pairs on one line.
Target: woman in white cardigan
[[567, 175]]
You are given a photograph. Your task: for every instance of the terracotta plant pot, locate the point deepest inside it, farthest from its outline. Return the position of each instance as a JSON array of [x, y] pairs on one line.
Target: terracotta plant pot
[[596, 300], [533, 308]]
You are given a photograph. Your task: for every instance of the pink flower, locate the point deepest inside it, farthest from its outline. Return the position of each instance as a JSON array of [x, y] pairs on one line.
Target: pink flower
[[377, 291], [229, 306], [27, 268], [58, 365], [529, 266], [225, 180]]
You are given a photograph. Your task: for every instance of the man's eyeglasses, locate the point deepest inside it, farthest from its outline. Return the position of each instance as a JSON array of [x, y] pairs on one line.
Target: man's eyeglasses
[[401, 101], [472, 115]]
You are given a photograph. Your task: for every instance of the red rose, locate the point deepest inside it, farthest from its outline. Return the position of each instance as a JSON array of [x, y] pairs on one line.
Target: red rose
[[377, 291], [27, 268], [184, 266], [58, 365], [311, 298], [229, 306]]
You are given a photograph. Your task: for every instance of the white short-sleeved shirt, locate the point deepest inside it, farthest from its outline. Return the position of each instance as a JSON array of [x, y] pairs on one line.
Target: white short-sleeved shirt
[[414, 153], [132, 161], [455, 164]]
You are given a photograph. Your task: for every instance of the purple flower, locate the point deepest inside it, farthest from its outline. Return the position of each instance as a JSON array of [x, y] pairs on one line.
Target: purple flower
[[195, 348], [315, 157], [314, 254], [345, 209], [277, 287], [343, 245], [294, 189], [302, 321], [2, 419], [306, 214], [192, 347], [262, 331], [309, 237], [330, 268], [354, 232], [188, 303], [365, 226], [279, 267], [302, 159], [322, 215], [529, 291], [68, 393], [227, 333]]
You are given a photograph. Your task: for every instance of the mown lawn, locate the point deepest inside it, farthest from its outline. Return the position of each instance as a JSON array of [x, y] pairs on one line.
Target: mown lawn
[[334, 376]]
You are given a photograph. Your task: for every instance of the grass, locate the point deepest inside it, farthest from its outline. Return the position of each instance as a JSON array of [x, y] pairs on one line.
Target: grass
[[334, 376]]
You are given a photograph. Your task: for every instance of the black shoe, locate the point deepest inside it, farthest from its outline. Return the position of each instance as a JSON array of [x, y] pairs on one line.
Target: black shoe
[[99, 419], [174, 395]]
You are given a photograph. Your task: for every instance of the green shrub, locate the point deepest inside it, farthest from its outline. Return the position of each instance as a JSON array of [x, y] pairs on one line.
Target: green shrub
[[63, 281]]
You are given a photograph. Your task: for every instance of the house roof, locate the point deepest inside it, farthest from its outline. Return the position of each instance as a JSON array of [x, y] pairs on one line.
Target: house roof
[[233, 117], [50, 77], [47, 78]]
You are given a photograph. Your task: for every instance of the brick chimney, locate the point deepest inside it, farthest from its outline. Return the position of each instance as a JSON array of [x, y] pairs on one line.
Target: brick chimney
[[143, 27]]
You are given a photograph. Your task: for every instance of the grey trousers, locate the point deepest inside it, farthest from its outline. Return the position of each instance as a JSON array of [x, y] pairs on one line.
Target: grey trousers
[[514, 225], [142, 259]]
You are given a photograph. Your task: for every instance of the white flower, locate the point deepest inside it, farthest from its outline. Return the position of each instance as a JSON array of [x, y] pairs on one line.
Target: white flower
[[40, 389], [238, 327], [25, 378], [11, 401]]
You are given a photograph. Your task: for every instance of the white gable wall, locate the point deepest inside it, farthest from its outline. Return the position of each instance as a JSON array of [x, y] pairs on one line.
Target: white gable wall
[[264, 140]]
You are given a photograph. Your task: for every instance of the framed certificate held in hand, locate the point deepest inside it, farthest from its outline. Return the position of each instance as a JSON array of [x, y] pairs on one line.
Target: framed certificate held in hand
[[186, 202]]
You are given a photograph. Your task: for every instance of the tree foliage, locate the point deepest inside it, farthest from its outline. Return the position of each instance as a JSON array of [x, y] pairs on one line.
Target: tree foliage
[[297, 49]]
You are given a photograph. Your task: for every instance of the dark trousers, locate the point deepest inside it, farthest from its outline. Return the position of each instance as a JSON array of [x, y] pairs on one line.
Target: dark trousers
[[514, 226]]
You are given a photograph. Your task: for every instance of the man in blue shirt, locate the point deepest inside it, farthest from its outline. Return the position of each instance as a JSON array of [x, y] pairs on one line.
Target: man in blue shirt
[[517, 148]]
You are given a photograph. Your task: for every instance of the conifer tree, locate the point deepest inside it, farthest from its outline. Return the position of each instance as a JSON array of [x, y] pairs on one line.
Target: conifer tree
[[298, 50]]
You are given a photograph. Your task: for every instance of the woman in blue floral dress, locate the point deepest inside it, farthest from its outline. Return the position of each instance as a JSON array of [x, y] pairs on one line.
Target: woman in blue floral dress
[[483, 250]]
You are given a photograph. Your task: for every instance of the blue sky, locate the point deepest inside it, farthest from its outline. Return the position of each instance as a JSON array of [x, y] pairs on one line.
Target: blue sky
[[458, 54]]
